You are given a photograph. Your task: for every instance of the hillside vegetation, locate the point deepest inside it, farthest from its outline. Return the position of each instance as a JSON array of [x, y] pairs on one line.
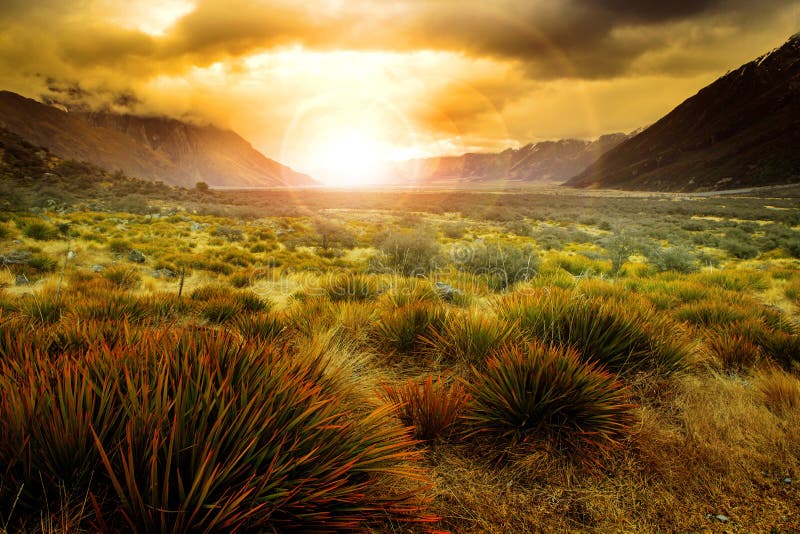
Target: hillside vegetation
[[483, 363]]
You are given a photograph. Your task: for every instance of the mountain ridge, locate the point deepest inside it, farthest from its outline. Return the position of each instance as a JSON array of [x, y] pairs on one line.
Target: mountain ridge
[[187, 154], [742, 130], [552, 161]]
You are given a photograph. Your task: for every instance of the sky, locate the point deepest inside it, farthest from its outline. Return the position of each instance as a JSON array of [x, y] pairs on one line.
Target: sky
[[334, 84]]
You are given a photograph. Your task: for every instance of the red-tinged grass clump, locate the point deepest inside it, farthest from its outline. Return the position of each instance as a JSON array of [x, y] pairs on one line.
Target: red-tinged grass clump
[[535, 392], [431, 407], [197, 431], [733, 350]]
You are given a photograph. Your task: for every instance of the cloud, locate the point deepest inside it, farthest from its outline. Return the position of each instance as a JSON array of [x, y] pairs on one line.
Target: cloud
[[463, 69]]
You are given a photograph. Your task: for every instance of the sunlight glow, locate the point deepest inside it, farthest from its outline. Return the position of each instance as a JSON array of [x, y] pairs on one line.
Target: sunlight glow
[[348, 157]]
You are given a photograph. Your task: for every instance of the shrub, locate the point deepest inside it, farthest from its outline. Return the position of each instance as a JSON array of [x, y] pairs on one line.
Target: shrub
[[119, 246], [123, 277], [501, 265], [678, 259], [469, 336], [228, 233], [431, 407], [332, 233], [535, 391], [624, 338], [400, 330], [454, 230], [410, 253]]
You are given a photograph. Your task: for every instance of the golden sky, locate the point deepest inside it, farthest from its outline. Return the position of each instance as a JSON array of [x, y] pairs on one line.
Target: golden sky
[[309, 82]]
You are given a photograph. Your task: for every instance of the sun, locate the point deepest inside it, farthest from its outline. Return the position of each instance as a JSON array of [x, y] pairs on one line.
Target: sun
[[348, 157]]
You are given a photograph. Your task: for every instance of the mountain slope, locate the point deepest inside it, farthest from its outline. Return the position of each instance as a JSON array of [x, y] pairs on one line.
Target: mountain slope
[[162, 149], [743, 130], [547, 161]]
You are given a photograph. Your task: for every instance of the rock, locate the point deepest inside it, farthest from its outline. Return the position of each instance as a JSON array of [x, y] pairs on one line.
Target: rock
[[787, 480], [71, 255], [722, 518], [196, 227], [164, 273], [97, 268], [15, 257], [136, 256], [447, 292]]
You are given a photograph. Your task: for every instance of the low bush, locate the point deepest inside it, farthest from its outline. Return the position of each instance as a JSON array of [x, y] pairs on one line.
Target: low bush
[[500, 265]]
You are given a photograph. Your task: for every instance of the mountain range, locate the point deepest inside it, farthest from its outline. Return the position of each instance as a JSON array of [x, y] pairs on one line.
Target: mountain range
[[546, 161], [151, 148], [743, 130]]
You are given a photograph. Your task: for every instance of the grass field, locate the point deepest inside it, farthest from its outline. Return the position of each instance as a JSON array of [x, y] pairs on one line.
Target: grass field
[[402, 361]]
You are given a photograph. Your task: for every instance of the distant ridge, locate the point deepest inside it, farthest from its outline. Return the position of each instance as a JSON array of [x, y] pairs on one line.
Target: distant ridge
[[546, 161], [151, 148], [743, 130]]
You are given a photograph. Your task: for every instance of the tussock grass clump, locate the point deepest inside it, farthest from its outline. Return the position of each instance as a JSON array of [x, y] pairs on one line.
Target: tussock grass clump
[[167, 306], [123, 277], [40, 231], [405, 291], [735, 280], [264, 326], [113, 306], [529, 392], [351, 287], [710, 313], [624, 338], [779, 390], [45, 307], [195, 432], [734, 351], [218, 310], [401, 330], [469, 336], [431, 407]]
